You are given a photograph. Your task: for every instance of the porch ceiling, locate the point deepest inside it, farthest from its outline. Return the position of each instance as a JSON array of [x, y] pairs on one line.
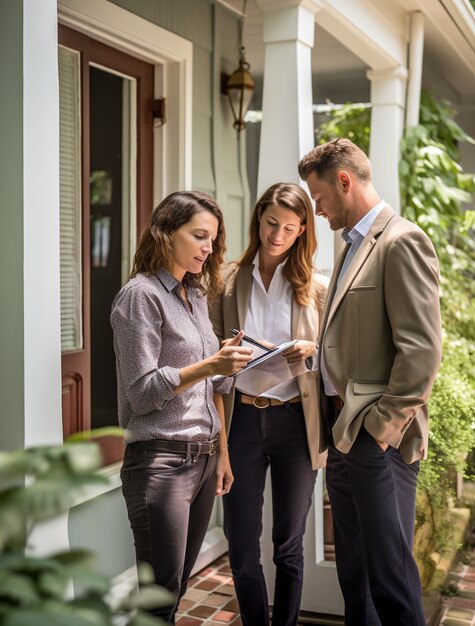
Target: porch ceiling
[[449, 50]]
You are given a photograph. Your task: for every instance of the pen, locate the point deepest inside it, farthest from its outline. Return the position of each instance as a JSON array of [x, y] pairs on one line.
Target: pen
[[252, 341]]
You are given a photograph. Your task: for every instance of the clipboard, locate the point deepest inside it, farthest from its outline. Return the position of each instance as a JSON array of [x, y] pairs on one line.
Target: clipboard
[[258, 360]]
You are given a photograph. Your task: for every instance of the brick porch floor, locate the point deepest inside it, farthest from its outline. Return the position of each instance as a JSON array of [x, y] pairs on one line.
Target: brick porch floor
[[459, 609], [210, 599]]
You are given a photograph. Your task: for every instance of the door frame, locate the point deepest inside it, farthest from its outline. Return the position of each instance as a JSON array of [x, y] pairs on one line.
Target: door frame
[[172, 57], [77, 365]]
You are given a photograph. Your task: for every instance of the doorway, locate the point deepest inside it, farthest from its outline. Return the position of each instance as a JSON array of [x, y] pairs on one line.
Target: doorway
[[112, 228], [106, 136]]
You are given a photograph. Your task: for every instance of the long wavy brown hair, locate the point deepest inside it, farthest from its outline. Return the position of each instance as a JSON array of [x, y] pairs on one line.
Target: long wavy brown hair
[[155, 247], [299, 266]]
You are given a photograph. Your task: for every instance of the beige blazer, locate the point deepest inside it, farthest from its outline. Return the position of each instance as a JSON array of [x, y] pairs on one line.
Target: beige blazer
[[230, 310], [381, 337]]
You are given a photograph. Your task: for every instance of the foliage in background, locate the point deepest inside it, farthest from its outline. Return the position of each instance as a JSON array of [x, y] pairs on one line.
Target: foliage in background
[[433, 188], [35, 485], [349, 120]]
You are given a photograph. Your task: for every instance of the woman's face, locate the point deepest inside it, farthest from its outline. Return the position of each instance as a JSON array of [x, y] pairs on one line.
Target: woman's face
[[278, 230], [192, 244]]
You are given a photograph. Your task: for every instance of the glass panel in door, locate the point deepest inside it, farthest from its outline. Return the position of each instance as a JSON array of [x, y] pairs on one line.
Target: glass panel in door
[[112, 222]]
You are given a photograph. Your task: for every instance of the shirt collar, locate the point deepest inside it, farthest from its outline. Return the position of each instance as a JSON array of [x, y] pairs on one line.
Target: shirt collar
[[361, 229], [168, 280]]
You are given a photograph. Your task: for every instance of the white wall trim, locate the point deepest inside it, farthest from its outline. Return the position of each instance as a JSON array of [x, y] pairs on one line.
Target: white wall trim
[[41, 286], [173, 58]]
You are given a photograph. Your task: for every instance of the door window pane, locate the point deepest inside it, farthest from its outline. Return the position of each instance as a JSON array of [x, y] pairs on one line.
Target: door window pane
[[112, 220]]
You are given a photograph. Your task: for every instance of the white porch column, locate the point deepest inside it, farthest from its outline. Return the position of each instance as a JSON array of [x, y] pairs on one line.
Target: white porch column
[[416, 53], [41, 312], [388, 91], [287, 131], [30, 348]]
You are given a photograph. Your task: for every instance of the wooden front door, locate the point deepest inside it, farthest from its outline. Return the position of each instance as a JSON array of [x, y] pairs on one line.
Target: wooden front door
[[106, 169]]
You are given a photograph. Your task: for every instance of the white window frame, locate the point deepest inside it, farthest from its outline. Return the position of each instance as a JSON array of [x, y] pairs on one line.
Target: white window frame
[[172, 57]]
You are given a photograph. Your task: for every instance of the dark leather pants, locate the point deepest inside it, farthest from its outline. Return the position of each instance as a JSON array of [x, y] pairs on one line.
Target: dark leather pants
[[169, 501]]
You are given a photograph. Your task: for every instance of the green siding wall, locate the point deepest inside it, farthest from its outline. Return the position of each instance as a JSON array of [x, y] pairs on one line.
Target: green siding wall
[[218, 159], [11, 227]]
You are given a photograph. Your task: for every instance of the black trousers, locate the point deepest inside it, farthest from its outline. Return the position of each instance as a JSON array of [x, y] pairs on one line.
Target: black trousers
[[372, 495], [261, 438], [169, 501]]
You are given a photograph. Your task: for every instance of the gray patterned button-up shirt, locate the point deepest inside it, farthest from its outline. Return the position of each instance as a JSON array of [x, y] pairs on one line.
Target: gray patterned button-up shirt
[[155, 335]]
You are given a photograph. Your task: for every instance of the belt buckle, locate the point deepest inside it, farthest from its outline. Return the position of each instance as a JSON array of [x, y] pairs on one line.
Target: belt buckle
[[261, 403]]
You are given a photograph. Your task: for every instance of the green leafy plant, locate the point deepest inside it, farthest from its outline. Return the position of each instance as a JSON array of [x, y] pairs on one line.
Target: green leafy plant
[[35, 485], [433, 190], [349, 120]]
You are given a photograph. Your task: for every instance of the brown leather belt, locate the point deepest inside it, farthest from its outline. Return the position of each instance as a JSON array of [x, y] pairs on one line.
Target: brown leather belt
[[261, 402], [336, 402], [186, 448]]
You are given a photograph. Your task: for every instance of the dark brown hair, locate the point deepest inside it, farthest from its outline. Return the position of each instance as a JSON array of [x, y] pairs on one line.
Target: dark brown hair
[[155, 248], [328, 158], [299, 266]]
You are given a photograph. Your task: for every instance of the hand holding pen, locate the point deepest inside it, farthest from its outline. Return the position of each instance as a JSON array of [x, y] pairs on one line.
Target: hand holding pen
[[254, 342]]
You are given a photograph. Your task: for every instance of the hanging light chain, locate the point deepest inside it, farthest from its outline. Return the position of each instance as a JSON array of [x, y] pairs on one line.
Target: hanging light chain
[[241, 30]]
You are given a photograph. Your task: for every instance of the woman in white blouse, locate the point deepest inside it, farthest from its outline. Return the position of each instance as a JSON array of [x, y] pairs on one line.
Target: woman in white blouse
[[274, 293]]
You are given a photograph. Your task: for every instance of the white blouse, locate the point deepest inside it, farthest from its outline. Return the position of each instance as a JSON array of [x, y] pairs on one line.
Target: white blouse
[[269, 317]]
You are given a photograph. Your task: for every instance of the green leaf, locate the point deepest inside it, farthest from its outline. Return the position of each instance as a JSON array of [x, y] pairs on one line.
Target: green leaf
[[18, 588], [151, 597], [55, 585], [96, 433], [75, 558], [404, 167], [59, 615], [89, 581], [145, 573]]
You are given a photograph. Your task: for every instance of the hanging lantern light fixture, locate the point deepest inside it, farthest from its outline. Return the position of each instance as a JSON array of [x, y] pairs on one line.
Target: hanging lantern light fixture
[[240, 85]]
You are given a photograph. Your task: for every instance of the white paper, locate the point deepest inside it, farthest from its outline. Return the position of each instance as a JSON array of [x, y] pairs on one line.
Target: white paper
[[270, 373]]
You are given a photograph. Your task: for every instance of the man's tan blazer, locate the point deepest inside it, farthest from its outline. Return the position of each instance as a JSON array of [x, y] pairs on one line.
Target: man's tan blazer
[[230, 310], [381, 337]]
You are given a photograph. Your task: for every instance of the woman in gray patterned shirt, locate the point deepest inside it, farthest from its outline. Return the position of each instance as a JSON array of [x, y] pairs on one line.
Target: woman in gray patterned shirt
[[176, 457]]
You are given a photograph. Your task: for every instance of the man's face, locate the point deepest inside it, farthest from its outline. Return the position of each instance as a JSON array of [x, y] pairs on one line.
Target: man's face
[[331, 200]]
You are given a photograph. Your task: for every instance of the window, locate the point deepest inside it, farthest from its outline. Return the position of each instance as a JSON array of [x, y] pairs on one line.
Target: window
[[70, 199]]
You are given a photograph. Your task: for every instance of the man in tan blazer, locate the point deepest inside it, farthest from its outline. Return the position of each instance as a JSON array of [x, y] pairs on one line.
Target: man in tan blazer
[[380, 348]]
